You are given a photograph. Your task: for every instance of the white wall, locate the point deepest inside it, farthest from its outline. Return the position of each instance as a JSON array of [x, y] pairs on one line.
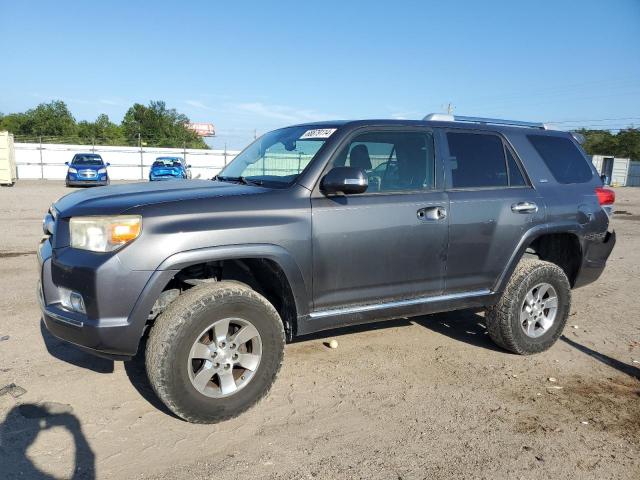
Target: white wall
[[633, 178], [47, 160]]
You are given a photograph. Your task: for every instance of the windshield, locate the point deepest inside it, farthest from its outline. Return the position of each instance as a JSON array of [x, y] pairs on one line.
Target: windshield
[[169, 159], [278, 157], [87, 160], [166, 162]]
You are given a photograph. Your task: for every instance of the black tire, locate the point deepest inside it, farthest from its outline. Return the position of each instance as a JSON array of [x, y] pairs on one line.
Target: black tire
[[503, 319], [176, 329]]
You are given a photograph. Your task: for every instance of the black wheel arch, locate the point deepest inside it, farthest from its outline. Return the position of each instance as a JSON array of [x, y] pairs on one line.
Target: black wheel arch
[[558, 243], [269, 269]]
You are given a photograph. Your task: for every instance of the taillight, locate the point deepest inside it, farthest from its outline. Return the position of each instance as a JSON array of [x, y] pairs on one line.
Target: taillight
[[606, 196]]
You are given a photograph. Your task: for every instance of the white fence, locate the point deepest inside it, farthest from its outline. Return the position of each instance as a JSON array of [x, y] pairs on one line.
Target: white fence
[[47, 160]]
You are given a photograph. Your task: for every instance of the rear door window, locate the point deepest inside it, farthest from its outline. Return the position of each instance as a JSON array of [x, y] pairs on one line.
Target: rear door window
[[516, 179], [563, 158], [477, 160]]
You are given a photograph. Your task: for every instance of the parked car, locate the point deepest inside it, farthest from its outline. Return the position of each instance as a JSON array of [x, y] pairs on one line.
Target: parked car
[[169, 168], [291, 239], [87, 169]]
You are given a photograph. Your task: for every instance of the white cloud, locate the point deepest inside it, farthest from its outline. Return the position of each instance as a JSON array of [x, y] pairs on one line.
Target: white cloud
[[407, 114], [198, 104], [279, 112]]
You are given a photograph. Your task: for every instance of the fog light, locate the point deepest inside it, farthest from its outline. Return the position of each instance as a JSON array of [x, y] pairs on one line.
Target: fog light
[[72, 300]]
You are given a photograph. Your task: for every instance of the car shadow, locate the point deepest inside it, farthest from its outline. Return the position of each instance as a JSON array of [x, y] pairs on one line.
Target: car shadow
[[601, 357], [19, 431], [466, 326], [73, 355], [365, 327], [137, 375]]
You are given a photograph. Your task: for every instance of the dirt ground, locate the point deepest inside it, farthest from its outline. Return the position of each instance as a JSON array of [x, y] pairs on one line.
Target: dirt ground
[[426, 398]]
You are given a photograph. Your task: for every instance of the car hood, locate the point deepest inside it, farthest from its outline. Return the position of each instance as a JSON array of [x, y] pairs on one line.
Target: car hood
[[116, 199]]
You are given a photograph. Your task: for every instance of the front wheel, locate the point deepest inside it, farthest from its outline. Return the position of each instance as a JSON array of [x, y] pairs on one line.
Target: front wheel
[[532, 311], [215, 351]]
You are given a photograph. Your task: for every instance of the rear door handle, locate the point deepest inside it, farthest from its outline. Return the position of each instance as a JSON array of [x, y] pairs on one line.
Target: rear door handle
[[432, 213], [524, 207]]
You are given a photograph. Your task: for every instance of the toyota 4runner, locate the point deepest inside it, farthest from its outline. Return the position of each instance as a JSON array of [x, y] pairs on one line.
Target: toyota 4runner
[[318, 226]]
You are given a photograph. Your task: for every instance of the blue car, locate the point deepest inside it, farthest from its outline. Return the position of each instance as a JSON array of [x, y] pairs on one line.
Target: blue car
[[87, 169], [169, 168]]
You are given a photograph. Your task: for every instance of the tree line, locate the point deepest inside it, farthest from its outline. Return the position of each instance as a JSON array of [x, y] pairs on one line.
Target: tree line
[[625, 143], [152, 125], [156, 125]]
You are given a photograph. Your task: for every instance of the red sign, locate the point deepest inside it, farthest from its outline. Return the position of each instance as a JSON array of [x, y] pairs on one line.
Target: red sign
[[202, 129]]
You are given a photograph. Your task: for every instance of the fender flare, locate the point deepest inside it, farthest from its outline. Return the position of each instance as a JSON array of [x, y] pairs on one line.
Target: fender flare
[[275, 253], [527, 239]]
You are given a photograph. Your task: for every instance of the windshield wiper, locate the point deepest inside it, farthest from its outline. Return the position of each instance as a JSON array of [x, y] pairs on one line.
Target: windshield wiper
[[243, 180], [228, 179], [253, 181]]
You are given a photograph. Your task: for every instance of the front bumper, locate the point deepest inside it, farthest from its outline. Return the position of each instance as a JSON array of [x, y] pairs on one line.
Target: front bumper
[[84, 183], [154, 178], [117, 300], [596, 250]]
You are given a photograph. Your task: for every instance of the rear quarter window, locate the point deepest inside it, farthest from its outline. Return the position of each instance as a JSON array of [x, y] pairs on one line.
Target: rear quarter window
[[563, 158]]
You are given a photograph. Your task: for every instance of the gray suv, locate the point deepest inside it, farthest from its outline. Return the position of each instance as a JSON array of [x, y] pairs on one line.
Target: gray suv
[[319, 226]]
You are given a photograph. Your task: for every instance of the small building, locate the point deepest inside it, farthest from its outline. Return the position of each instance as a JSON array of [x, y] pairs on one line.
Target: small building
[[618, 172], [8, 173]]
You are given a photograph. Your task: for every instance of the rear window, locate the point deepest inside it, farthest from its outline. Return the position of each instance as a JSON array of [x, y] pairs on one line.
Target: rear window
[[563, 158]]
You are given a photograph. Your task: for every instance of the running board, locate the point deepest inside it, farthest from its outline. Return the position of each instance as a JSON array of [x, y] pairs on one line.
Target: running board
[[397, 304]]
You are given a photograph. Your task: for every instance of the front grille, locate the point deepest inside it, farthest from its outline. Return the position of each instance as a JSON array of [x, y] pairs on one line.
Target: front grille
[[87, 173]]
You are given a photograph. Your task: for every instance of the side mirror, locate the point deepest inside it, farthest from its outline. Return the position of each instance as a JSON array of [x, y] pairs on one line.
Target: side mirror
[[188, 166], [66, 163], [344, 180], [107, 164]]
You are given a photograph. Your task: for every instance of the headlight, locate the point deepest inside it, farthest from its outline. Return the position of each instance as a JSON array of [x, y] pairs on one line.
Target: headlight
[[102, 170], [72, 170], [104, 234]]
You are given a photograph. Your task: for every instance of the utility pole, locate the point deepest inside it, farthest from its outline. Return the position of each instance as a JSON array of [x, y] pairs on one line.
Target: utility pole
[[225, 154], [449, 109], [141, 157], [41, 162]]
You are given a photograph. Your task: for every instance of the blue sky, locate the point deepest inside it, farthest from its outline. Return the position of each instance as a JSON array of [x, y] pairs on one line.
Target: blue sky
[[260, 65]]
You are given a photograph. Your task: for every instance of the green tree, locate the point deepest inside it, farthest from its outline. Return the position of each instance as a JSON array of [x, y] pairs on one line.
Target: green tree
[[159, 126], [102, 131], [626, 143], [599, 142], [51, 119], [13, 122]]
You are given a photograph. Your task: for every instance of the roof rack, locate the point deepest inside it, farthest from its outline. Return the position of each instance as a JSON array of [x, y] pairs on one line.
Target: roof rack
[[443, 117]]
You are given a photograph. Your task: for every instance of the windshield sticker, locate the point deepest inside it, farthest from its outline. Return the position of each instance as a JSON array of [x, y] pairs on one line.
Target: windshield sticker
[[318, 133]]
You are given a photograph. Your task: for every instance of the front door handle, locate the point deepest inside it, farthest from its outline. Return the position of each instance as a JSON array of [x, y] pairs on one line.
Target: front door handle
[[524, 207], [432, 213]]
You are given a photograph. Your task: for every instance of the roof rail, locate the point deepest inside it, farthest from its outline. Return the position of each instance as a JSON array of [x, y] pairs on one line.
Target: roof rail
[[443, 117]]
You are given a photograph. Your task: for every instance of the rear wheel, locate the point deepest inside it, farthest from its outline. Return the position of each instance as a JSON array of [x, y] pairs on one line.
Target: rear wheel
[[532, 312], [215, 352]]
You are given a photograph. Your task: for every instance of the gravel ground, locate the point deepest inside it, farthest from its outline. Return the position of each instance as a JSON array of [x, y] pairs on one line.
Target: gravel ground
[[426, 398]]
